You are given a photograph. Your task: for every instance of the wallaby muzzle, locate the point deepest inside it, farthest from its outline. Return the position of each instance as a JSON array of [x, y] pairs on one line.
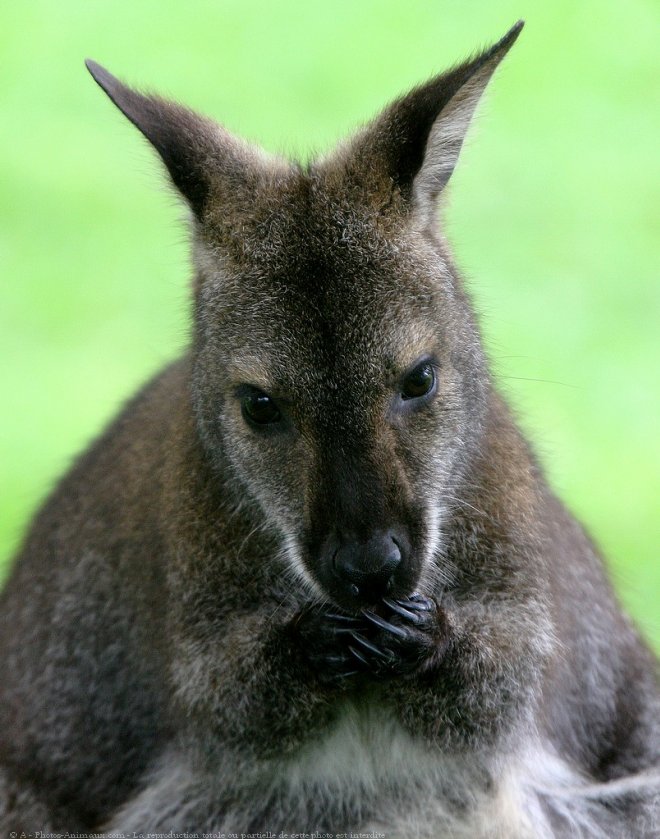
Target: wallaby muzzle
[[368, 535]]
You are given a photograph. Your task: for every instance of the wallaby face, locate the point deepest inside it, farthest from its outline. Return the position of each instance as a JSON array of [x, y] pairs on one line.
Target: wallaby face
[[340, 382], [312, 578]]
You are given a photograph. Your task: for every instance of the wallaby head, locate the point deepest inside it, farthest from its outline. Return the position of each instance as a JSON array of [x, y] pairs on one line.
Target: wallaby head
[[338, 372]]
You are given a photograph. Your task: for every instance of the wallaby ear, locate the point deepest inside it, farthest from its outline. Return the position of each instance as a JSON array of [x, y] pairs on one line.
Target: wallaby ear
[[414, 144], [196, 151]]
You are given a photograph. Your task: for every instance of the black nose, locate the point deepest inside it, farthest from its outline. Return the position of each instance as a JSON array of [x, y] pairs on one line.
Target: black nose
[[367, 568]]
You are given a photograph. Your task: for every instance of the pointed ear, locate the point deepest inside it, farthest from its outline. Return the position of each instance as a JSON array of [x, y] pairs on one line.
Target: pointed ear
[[196, 151], [414, 144]]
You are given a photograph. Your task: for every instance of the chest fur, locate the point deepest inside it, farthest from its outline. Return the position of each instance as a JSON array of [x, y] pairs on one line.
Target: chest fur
[[376, 776]]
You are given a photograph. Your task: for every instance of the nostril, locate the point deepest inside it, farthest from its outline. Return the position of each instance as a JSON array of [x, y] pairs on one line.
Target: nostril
[[344, 571], [392, 558], [338, 567], [343, 566]]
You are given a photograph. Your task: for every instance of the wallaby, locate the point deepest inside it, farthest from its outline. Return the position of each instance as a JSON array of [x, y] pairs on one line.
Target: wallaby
[[312, 579]]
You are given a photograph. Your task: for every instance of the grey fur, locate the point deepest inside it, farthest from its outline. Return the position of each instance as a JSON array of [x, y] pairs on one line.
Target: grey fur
[[167, 662]]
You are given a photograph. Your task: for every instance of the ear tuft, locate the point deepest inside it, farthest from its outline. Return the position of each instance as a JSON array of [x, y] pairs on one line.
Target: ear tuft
[[464, 87], [197, 152], [101, 76], [415, 143], [180, 137]]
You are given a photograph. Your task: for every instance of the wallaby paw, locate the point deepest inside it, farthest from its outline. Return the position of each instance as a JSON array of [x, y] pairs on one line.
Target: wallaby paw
[[409, 637], [325, 639]]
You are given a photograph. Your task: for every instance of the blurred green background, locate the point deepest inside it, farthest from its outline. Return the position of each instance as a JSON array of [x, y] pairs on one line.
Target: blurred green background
[[551, 215]]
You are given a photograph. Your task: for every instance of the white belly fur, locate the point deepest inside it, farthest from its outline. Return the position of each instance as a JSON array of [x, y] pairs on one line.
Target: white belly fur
[[372, 765]]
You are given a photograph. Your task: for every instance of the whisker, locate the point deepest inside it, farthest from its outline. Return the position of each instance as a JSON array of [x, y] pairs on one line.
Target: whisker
[[542, 381]]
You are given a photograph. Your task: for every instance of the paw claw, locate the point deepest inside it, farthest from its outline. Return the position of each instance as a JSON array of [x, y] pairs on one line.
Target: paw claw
[[418, 602], [381, 623], [359, 656], [342, 619], [370, 647], [348, 674], [395, 606]]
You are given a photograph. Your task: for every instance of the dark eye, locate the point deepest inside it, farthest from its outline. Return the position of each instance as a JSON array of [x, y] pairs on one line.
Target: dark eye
[[419, 382], [259, 409]]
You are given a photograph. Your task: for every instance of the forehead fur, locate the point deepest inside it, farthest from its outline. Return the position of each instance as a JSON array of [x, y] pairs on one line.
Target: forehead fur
[[315, 270]]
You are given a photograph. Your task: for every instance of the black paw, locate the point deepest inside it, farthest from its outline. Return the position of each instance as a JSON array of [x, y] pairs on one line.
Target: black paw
[[409, 636], [325, 639], [404, 637]]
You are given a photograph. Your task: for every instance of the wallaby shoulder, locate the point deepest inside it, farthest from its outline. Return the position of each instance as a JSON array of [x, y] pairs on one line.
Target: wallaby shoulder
[[91, 630]]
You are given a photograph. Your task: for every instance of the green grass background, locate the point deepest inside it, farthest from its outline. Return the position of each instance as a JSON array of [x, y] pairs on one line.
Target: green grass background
[[552, 217]]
